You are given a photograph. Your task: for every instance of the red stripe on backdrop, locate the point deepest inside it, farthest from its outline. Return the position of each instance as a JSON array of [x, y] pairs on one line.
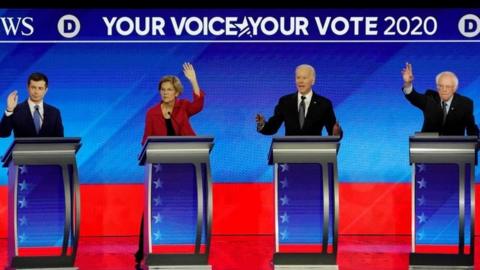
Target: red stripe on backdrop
[[243, 208]]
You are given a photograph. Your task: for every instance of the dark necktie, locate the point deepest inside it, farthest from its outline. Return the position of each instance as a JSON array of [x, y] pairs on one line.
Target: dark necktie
[[301, 112], [445, 112], [37, 119]]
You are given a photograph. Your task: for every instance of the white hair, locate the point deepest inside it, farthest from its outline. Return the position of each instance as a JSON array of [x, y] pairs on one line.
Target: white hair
[[309, 67], [447, 73]]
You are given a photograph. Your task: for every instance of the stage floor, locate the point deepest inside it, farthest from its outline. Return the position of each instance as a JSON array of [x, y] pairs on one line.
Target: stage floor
[[249, 252]]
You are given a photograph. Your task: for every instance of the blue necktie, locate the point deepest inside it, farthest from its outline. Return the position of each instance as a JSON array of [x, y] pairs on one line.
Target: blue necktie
[[37, 119]]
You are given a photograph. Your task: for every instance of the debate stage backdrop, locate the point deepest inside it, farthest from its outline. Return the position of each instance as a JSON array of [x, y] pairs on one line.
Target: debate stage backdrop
[[105, 78]]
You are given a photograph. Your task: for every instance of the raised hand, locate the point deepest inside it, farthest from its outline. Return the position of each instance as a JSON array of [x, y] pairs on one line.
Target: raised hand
[[12, 101], [407, 75], [189, 72]]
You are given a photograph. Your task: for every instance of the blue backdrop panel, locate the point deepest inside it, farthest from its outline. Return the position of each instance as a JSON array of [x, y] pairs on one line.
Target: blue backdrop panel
[[105, 89]]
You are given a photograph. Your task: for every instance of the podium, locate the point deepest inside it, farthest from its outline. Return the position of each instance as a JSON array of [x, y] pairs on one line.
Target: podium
[[44, 203], [178, 202], [306, 201], [443, 201]]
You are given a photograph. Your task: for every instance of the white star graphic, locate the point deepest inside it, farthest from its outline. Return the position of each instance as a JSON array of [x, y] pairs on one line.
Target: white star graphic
[[157, 201], [284, 200], [422, 218], [284, 217], [23, 169], [157, 167], [157, 218], [421, 167], [22, 237], [158, 183], [23, 185], [284, 167], [421, 200], [422, 183], [157, 235], [284, 235], [23, 203], [284, 182], [23, 220], [243, 28], [421, 235]]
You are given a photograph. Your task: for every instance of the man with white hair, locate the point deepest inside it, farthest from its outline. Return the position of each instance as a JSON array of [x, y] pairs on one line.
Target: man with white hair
[[304, 112], [444, 111]]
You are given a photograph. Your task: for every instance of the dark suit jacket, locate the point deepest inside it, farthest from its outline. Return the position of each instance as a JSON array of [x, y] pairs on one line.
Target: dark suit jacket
[[21, 122], [320, 114], [459, 118]]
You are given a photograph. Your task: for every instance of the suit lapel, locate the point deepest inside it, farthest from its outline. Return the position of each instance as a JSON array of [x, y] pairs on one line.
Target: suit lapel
[[294, 107], [28, 117], [452, 110]]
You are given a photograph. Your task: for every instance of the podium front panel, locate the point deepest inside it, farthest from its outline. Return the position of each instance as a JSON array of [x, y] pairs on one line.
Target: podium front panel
[[175, 204], [305, 207], [436, 207], [41, 210]]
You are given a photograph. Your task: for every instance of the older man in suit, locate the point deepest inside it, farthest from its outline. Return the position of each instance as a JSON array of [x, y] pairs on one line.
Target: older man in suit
[[33, 117], [304, 112], [444, 111]]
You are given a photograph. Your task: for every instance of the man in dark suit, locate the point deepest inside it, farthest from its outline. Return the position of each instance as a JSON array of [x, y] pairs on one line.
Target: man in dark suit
[[444, 111], [33, 117], [304, 112]]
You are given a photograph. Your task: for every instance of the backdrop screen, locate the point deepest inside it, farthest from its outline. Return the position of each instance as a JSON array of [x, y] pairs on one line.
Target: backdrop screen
[[105, 77]]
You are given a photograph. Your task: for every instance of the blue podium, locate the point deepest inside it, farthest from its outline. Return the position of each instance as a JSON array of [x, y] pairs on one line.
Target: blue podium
[[178, 202], [443, 201], [44, 203], [306, 201]]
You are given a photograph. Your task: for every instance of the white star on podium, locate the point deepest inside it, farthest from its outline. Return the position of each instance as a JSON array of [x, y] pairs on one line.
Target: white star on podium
[[284, 217], [158, 183], [421, 200], [157, 201], [157, 218], [157, 235], [23, 203], [422, 183], [284, 183], [23, 169], [23, 185], [422, 218], [284, 200]]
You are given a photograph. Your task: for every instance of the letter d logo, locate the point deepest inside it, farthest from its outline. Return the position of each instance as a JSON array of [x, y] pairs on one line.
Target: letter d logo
[[68, 26], [469, 25]]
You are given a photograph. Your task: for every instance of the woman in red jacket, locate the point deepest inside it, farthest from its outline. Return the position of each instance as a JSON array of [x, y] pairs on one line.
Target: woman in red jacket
[[171, 116]]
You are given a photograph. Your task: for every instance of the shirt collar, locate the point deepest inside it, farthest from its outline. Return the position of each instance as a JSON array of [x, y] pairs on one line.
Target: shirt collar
[[308, 97], [32, 104]]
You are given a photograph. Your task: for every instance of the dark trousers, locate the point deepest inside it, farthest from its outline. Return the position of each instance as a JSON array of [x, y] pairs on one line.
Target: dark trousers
[[139, 253]]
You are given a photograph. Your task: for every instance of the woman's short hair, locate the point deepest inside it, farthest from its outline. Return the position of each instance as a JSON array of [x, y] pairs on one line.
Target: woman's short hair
[[174, 80]]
